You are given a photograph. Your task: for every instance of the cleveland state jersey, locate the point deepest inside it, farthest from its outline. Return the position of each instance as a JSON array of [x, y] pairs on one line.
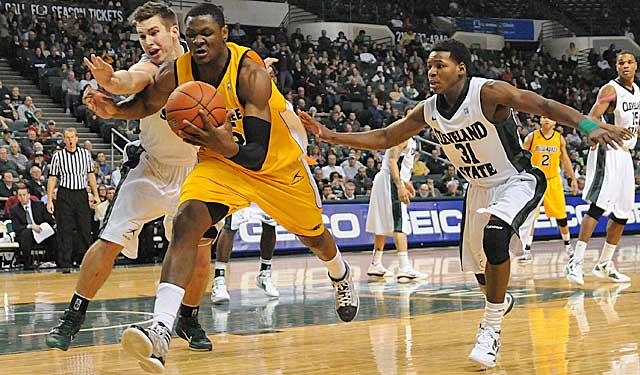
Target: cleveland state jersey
[[545, 152], [405, 161], [486, 154], [285, 146], [627, 111]]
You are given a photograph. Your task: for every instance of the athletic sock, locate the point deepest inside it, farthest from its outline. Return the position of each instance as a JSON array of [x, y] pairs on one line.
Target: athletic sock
[[493, 314], [527, 248], [607, 252], [265, 264], [189, 311], [403, 257], [566, 237], [336, 267], [168, 300], [221, 268], [79, 303], [578, 255], [377, 256]]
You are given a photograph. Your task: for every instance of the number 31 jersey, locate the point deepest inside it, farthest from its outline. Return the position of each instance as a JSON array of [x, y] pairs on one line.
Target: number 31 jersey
[[486, 154], [627, 111]]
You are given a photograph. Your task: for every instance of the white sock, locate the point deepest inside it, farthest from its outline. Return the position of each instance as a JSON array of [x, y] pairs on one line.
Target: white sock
[[377, 256], [566, 237], [265, 261], [607, 252], [529, 242], [222, 265], [168, 300], [578, 254], [493, 314], [337, 269], [403, 257]]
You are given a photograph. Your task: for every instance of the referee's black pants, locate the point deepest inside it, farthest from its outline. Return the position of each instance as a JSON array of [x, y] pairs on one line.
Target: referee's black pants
[[73, 216]]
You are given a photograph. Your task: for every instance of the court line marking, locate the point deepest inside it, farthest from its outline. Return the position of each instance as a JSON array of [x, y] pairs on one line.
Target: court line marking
[[88, 329]]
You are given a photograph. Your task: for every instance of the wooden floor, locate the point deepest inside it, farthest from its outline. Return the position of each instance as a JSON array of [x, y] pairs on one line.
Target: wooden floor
[[424, 328]]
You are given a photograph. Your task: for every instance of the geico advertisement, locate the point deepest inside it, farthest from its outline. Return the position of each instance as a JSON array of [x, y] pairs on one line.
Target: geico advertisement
[[432, 223]]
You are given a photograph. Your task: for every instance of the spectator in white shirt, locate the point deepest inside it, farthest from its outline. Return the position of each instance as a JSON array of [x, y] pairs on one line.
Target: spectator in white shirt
[[25, 107], [331, 167]]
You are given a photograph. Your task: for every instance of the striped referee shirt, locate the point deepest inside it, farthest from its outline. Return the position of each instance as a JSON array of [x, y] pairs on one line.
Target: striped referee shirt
[[72, 168]]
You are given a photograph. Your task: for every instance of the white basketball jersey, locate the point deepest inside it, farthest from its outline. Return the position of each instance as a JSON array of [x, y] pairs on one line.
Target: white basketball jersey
[[484, 153], [627, 111], [161, 142], [405, 161]]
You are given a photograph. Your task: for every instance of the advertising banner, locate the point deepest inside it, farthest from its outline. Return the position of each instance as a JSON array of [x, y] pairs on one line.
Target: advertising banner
[[62, 10], [510, 29], [432, 223]]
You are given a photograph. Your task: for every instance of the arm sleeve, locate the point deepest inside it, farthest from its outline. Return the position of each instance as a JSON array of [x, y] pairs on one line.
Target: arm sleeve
[[257, 134]]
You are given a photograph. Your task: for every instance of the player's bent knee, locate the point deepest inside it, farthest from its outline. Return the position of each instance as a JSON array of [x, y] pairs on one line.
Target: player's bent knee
[[497, 235], [617, 220], [562, 222], [595, 211], [481, 279]]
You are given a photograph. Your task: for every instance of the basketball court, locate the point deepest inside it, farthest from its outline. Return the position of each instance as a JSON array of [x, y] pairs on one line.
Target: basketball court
[[418, 328]]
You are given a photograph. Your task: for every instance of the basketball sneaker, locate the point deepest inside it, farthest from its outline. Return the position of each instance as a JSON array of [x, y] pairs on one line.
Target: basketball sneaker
[[574, 272], [526, 257], [219, 293], [378, 270], [347, 300], [509, 301], [487, 346], [569, 250], [406, 275], [608, 271], [149, 346], [60, 336], [189, 329], [265, 282]]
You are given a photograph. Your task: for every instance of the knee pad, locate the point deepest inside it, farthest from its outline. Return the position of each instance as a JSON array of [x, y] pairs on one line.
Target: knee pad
[[562, 222], [497, 235], [595, 211], [481, 279], [616, 220]]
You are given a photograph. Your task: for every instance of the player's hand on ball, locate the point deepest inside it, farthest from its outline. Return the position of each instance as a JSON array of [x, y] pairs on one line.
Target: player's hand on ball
[[319, 130], [102, 105], [219, 139]]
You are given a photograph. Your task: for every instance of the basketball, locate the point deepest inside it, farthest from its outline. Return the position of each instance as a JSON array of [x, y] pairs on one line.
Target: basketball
[[186, 100]]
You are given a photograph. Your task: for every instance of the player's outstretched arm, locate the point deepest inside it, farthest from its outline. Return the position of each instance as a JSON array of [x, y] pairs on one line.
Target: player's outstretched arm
[[506, 95], [121, 82], [138, 106], [379, 139]]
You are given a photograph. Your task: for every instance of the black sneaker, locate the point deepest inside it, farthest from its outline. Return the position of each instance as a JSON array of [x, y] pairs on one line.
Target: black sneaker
[[60, 336], [188, 328], [347, 300], [149, 346]]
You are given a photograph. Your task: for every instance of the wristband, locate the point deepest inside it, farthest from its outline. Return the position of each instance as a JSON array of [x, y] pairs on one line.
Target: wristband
[[586, 126]]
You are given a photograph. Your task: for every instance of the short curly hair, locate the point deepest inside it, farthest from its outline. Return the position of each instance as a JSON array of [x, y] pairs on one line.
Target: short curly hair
[[459, 52]]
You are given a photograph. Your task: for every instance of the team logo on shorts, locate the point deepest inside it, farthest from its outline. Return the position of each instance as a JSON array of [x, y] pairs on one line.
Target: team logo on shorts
[[297, 178]]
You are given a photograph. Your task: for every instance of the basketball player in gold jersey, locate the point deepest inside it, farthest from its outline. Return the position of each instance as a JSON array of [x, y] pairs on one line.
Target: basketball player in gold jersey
[[254, 157], [156, 168], [548, 151]]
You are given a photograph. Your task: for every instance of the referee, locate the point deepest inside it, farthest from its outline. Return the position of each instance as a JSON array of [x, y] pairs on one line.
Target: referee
[[74, 168]]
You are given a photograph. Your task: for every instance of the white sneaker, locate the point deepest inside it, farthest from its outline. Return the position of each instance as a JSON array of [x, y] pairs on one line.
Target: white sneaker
[[608, 271], [265, 282], [569, 250], [347, 299], [378, 270], [526, 257], [219, 293], [406, 275], [574, 272], [149, 346], [487, 346], [509, 301]]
